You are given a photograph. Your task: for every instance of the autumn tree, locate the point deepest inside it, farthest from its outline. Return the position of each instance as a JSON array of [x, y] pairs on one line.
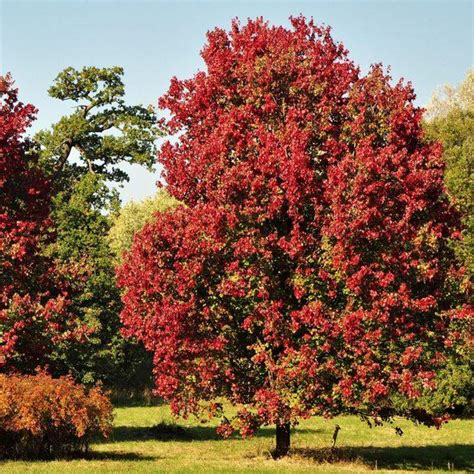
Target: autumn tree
[[83, 155], [35, 317], [309, 272]]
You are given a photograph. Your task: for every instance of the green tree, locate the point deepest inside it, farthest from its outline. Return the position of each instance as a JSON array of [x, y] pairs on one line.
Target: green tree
[[133, 216], [448, 97], [104, 131], [450, 120], [82, 154]]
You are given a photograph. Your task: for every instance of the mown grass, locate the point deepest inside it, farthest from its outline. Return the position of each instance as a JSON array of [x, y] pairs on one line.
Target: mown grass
[[138, 445]]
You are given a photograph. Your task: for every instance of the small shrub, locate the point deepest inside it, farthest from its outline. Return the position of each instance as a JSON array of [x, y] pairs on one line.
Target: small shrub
[[44, 417]]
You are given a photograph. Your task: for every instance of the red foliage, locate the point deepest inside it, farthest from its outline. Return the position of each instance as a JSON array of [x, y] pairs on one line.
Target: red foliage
[[309, 272], [33, 293]]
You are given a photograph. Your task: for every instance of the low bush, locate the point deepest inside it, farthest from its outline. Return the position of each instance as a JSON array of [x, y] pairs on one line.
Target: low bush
[[44, 417]]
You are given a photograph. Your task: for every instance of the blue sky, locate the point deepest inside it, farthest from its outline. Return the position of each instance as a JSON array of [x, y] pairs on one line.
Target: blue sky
[[427, 42]]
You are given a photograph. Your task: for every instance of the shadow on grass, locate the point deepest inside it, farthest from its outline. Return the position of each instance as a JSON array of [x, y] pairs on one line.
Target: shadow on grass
[[173, 432], [162, 433], [117, 456], [441, 457], [89, 456]]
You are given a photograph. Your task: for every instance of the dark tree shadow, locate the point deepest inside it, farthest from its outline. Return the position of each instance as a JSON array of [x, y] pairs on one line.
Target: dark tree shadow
[[442, 457], [88, 456], [118, 456], [173, 432], [136, 402], [160, 433]]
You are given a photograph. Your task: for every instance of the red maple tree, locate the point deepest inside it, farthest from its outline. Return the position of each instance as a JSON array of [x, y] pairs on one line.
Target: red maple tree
[[33, 292], [309, 271]]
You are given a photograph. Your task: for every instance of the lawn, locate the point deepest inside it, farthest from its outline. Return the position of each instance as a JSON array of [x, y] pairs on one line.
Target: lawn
[[192, 447]]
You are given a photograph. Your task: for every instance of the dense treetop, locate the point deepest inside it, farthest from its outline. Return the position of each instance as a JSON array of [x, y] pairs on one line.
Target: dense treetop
[[310, 270]]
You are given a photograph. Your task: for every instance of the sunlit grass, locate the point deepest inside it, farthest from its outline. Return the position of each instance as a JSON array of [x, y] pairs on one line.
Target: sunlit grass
[[136, 446]]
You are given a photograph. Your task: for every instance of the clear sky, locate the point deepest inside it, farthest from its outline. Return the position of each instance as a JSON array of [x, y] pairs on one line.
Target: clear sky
[[427, 42]]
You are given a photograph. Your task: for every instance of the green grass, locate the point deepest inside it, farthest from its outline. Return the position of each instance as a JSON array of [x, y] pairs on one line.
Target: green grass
[[135, 446]]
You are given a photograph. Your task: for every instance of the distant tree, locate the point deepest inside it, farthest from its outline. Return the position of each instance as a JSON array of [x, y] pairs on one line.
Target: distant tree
[[133, 216], [35, 313], [450, 120], [310, 271], [448, 97], [82, 155]]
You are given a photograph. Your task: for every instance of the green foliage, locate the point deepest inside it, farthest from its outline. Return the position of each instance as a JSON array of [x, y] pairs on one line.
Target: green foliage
[[453, 394], [450, 120], [81, 153], [133, 216], [79, 219], [455, 390], [103, 130], [81, 227]]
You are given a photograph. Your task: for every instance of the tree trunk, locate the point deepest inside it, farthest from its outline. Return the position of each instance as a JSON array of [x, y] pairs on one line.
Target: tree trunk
[[282, 440], [65, 152]]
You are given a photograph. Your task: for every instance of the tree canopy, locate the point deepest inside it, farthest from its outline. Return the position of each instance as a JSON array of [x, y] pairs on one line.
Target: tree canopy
[[103, 130], [450, 120], [309, 270]]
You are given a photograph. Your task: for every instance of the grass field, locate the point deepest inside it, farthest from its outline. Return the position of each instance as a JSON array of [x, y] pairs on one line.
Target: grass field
[[136, 447]]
